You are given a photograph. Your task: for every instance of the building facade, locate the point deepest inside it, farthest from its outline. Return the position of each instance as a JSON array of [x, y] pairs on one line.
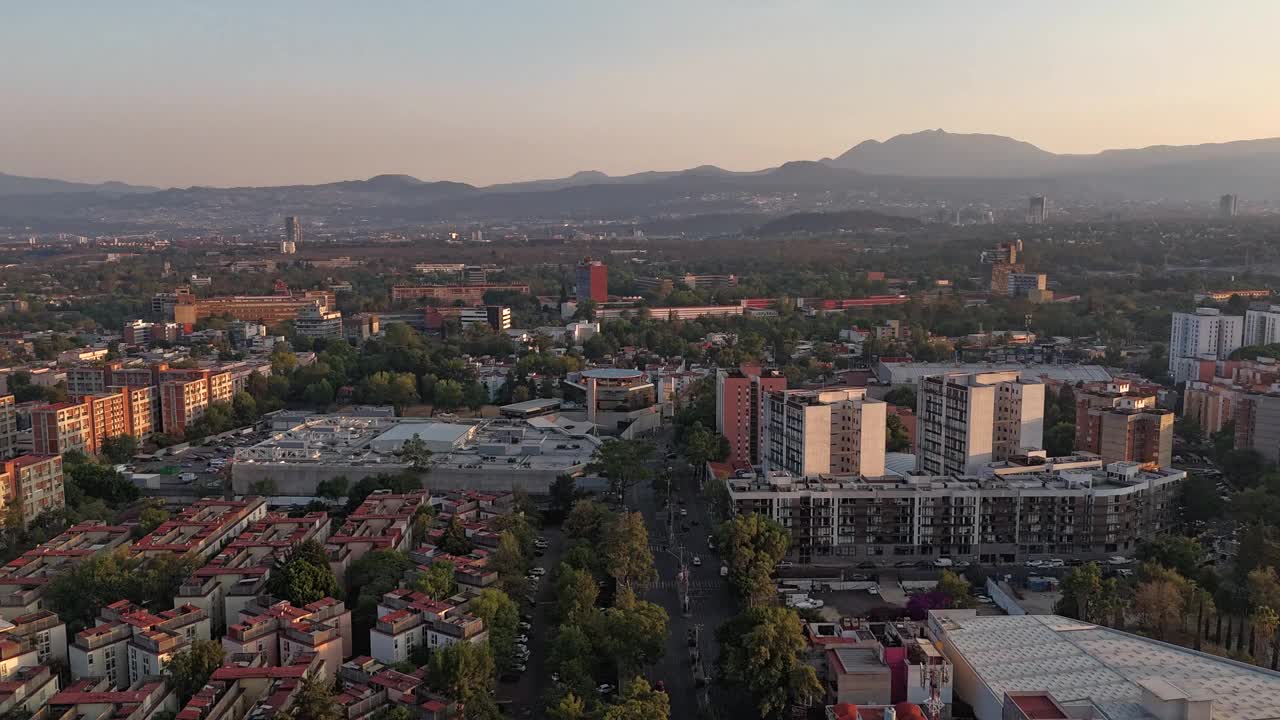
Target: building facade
[[811, 432], [740, 398], [1065, 507], [964, 422], [591, 281], [318, 323], [1118, 423], [1204, 333]]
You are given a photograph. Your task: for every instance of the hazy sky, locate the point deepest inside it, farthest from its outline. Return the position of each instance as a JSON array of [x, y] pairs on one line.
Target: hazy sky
[[238, 92]]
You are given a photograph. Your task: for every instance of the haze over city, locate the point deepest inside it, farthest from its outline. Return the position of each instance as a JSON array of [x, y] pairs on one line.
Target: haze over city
[[246, 93]]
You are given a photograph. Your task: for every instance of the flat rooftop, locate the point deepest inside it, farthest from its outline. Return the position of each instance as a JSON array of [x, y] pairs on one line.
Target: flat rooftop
[[897, 373], [1079, 662]]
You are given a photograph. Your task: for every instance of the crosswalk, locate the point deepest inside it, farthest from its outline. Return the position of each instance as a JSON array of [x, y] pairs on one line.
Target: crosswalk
[[693, 585]]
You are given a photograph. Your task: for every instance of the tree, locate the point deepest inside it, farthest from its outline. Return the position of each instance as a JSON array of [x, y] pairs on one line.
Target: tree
[[1187, 427], [416, 452], [190, 669], [635, 631], [624, 463], [244, 409], [464, 671], [1201, 501], [1243, 468], [1159, 604], [448, 394], [454, 540], [316, 700], [902, 396], [626, 551], [576, 593], [752, 545], [1175, 552], [956, 588], [120, 448], [761, 651], [319, 394], [897, 438], [570, 707], [303, 575], [1085, 595], [436, 582], [372, 576], [587, 521], [701, 445], [563, 494], [265, 487], [334, 488], [151, 518], [501, 618], [639, 701], [510, 562], [1060, 439]]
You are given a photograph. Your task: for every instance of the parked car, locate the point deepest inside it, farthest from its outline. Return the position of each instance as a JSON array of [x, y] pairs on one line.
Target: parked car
[[697, 561], [604, 689], [538, 571]]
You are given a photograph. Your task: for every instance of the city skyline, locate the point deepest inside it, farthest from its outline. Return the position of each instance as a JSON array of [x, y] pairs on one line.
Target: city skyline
[[303, 93]]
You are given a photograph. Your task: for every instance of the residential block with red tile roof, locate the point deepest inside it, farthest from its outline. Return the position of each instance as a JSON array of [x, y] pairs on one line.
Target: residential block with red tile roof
[[130, 644], [22, 579], [280, 632], [237, 575], [202, 529]]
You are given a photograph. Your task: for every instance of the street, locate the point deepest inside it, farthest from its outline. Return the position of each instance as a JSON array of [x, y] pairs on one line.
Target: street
[[711, 601], [524, 698]]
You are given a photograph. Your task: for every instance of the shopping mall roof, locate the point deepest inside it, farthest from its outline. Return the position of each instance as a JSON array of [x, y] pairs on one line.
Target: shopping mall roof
[[1079, 662]]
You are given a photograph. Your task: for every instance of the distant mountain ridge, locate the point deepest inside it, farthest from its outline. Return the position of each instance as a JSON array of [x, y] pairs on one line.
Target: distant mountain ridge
[[20, 185], [911, 170], [938, 153]]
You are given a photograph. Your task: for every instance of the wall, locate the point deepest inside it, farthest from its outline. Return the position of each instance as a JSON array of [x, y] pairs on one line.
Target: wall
[[1003, 600]]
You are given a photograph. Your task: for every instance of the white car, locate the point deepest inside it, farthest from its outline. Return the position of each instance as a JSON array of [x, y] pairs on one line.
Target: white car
[[1118, 560], [538, 572], [604, 689], [873, 590], [697, 561], [683, 512], [522, 640]]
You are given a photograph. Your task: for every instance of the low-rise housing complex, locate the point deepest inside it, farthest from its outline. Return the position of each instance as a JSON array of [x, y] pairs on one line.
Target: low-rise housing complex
[[23, 579]]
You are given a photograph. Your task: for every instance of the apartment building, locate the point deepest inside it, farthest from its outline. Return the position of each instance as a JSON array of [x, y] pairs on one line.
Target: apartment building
[[1206, 333], [23, 579], [33, 484], [202, 529], [234, 578], [185, 396], [268, 309], [282, 633], [965, 421], [143, 407], [100, 698], [61, 427], [129, 644], [8, 427], [42, 631], [1066, 507], [1257, 419], [449, 294], [28, 689], [247, 688], [1262, 325], [1120, 423], [740, 398], [318, 322], [408, 620], [821, 432], [382, 522]]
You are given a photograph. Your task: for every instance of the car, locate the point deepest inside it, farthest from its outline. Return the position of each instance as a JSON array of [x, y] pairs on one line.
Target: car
[[984, 599], [604, 688], [531, 599], [873, 590], [1119, 560], [539, 552], [866, 565], [684, 512], [519, 667], [697, 561], [903, 564], [526, 617], [711, 542], [785, 564], [858, 577], [526, 626], [539, 571], [555, 677], [522, 640]]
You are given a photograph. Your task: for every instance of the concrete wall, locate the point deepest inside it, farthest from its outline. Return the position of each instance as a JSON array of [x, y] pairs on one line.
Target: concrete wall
[[301, 480], [1003, 600]]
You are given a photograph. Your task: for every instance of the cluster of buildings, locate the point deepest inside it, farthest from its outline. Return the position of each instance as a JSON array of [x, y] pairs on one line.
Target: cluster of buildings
[[979, 485], [1245, 393], [1009, 274], [117, 665]]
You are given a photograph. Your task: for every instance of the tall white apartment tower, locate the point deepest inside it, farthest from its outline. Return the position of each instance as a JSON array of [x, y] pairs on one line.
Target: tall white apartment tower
[[825, 432], [1205, 334], [964, 422]]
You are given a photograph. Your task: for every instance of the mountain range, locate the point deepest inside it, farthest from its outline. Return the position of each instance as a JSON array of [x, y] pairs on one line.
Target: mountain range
[[916, 169]]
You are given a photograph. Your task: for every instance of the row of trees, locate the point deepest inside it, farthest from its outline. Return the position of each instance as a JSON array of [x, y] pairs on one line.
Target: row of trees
[[594, 634]]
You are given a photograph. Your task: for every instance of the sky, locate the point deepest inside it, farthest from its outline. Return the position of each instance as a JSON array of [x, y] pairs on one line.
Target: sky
[[245, 92]]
